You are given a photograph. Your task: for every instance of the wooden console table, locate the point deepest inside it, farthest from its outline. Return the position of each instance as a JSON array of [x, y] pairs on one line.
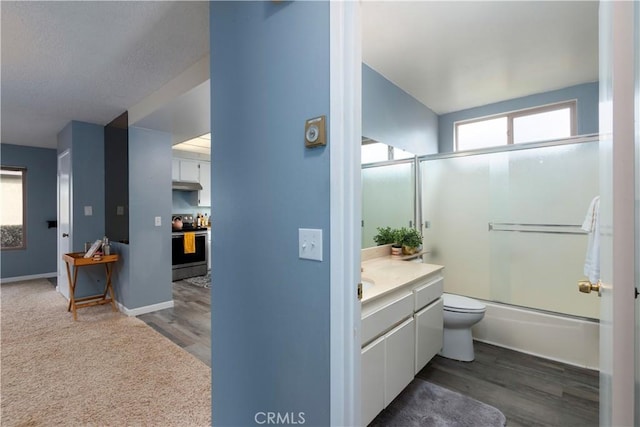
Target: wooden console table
[[77, 260]]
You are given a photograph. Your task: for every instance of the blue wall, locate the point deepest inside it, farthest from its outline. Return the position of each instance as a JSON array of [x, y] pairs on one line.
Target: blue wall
[[40, 255], [587, 110], [392, 116], [270, 310], [149, 254], [86, 142]]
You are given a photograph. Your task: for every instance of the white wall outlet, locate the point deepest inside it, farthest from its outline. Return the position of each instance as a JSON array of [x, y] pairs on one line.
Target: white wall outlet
[[310, 243], [158, 221], [88, 210]]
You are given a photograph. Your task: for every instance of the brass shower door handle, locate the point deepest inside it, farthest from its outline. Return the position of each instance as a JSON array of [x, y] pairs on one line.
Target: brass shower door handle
[[587, 287]]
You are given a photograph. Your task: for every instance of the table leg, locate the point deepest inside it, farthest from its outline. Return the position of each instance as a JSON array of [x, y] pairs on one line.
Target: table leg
[[72, 290], [109, 269]]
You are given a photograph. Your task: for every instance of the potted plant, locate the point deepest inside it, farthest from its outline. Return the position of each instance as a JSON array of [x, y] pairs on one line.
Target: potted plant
[[386, 236], [410, 239]]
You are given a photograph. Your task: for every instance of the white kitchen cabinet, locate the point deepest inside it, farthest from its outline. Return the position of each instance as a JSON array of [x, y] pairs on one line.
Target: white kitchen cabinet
[[204, 195], [372, 374], [399, 363], [429, 333], [189, 170], [175, 169], [209, 261]]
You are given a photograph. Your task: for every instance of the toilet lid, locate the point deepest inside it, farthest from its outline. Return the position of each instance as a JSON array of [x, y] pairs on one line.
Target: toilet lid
[[462, 304]]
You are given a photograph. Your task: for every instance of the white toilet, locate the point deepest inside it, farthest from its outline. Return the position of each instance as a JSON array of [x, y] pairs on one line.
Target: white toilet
[[460, 314]]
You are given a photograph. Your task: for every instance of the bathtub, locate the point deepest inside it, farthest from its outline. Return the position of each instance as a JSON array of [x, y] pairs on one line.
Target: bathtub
[[566, 339]]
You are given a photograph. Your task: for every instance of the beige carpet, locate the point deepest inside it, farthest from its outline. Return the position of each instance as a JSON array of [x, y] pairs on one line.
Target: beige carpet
[[104, 369]]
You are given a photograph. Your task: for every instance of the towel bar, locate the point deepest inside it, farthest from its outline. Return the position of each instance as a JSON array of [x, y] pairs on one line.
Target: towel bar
[[576, 228]]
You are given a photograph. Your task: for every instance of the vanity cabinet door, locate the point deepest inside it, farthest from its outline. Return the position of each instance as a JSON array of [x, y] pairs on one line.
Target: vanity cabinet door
[[372, 380], [399, 362], [429, 330]]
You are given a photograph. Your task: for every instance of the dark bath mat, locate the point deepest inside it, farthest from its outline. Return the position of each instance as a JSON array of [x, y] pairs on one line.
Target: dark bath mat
[[424, 404]]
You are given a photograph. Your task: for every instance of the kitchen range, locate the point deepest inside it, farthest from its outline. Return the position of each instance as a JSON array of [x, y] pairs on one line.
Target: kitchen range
[[188, 248]]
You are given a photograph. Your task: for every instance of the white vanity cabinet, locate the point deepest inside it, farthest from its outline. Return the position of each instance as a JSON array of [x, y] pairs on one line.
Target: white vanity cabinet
[[428, 333], [400, 347], [372, 385], [429, 321], [401, 331]]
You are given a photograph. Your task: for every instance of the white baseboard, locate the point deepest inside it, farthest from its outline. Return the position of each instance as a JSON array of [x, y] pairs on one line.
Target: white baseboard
[[29, 277], [143, 310], [561, 338]]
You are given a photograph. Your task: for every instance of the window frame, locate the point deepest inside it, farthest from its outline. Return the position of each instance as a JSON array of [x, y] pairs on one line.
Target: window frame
[[23, 171], [511, 115]]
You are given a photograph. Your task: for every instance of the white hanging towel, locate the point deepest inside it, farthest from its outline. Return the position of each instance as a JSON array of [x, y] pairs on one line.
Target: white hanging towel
[[591, 225]]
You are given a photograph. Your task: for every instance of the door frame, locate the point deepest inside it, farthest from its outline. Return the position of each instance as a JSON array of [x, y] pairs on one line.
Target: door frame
[[345, 210], [617, 338], [623, 262], [61, 277]]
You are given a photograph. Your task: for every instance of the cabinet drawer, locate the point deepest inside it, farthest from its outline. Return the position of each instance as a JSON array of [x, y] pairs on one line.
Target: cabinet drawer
[[428, 293], [379, 321]]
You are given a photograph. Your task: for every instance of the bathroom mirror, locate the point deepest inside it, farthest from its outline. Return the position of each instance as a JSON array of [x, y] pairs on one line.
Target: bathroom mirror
[[388, 190]]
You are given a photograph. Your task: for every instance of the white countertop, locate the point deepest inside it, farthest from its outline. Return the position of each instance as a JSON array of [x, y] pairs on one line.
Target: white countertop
[[388, 273]]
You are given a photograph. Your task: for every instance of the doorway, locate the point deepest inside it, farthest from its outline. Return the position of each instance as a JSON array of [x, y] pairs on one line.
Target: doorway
[[64, 217]]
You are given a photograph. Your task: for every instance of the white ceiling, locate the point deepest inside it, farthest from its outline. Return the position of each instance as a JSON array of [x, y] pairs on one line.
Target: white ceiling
[[455, 55], [91, 61]]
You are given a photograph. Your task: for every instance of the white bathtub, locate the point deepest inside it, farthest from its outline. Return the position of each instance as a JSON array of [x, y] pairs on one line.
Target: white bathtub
[[569, 340]]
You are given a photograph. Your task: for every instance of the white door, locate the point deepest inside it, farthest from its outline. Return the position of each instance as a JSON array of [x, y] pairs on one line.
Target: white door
[[617, 251], [64, 218]]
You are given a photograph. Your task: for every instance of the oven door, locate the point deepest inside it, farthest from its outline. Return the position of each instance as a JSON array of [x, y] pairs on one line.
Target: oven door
[[180, 259]]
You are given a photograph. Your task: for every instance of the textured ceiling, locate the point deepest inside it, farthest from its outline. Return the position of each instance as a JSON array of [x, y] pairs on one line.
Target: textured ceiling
[[90, 61], [456, 55]]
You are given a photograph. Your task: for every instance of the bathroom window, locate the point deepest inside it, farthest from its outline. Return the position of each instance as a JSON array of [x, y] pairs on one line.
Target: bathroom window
[[549, 122], [13, 212], [373, 152]]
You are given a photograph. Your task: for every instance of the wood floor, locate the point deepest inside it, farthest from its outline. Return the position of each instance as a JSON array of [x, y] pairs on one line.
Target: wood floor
[[529, 390], [188, 323]]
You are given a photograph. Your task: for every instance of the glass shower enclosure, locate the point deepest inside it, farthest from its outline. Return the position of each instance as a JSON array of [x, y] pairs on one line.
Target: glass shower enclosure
[[507, 224]]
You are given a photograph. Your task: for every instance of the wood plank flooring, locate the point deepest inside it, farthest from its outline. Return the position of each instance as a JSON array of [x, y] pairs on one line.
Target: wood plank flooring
[[188, 323], [529, 390]]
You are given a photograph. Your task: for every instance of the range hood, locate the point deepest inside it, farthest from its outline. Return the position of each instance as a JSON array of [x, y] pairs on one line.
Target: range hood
[[186, 186]]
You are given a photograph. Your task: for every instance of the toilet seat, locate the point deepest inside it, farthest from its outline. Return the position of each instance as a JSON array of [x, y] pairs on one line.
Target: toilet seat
[[460, 304]]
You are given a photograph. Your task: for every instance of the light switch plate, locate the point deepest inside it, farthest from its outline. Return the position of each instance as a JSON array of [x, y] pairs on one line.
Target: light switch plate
[[310, 243], [158, 221], [120, 210], [88, 210]]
